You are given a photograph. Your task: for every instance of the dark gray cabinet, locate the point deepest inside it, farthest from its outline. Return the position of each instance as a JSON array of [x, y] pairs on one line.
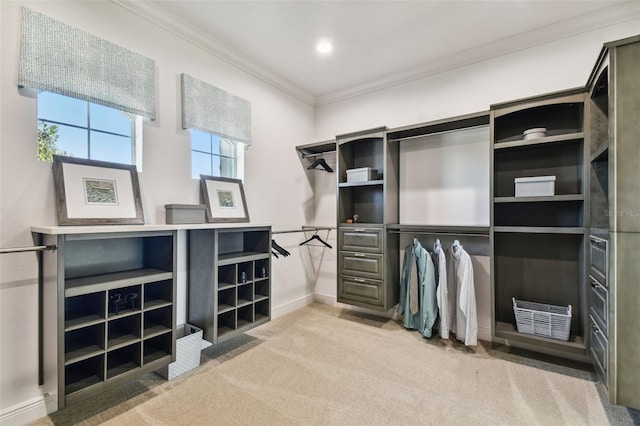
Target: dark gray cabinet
[[367, 254], [538, 242], [614, 111], [108, 311], [229, 280]]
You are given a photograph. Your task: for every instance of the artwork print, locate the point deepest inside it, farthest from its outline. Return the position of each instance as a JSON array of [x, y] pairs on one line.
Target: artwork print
[[225, 199], [100, 192]]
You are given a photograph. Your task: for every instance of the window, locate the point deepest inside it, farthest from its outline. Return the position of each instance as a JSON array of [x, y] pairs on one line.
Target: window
[[213, 155], [86, 130]]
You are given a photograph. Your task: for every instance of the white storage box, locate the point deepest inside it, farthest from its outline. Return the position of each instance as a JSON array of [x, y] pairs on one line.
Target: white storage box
[[538, 186], [542, 319], [189, 343], [362, 174]]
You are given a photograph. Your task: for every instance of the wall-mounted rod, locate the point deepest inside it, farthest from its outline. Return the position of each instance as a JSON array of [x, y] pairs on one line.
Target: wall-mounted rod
[[441, 132], [24, 249], [450, 234], [305, 229]]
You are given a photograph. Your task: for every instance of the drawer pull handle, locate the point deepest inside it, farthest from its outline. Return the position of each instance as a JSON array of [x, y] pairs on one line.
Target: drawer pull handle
[[358, 230], [596, 284], [359, 280], [359, 255]]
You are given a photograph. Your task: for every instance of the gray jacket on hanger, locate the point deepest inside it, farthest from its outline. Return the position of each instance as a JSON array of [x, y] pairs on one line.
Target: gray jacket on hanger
[[418, 272]]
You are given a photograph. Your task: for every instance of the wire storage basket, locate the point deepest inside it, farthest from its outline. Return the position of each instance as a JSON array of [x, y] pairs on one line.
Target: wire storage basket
[[543, 320]]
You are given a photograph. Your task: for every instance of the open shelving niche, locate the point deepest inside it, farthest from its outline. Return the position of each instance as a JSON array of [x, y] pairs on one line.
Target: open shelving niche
[[100, 343], [539, 243], [230, 280]]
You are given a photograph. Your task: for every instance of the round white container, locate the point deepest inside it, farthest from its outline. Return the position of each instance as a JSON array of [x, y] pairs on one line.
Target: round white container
[[538, 132]]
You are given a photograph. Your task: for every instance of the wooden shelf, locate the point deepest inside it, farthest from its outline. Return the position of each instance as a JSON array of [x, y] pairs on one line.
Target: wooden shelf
[[316, 148], [82, 322], [364, 183], [574, 345], [94, 283], [569, 137], [239, 257], [155, 330], [539, 230], [81, 353], [553, 198]]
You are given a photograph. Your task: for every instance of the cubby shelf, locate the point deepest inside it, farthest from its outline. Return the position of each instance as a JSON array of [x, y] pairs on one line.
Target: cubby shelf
[[114, 296], [552, 198], [239, 298], [539, 230], [363, 183], [520, 143]]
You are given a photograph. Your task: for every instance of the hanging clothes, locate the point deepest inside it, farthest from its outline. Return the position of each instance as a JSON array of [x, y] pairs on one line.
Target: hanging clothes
[[463, 319], [440, 260], [418, 305]]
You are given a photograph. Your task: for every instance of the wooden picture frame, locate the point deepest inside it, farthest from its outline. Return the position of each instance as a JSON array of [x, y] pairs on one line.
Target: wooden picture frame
[[90, 192], [224, 199]]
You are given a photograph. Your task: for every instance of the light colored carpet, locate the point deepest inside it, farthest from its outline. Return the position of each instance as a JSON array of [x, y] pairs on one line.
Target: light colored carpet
[[323, 365]]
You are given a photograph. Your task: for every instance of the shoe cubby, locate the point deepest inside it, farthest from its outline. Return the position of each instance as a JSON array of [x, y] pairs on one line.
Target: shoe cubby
[[261, 270], [123, 331], [222, 292], [261, 290], [157, 321], [83, 343], [226, 276], [124, 301], [245, 272], [540, 214], [158, 294], [84, 310], [226, 322], [157, 348], [109, 285], [226, 300], [262, 310], [124, 360], [245, 316], [83, 374], [245, 294]]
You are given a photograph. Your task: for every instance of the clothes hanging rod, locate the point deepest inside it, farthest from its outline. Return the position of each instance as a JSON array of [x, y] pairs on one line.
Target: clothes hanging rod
[[315, 154], [435, 233], [25, 249], [424, 135], [305, 229]]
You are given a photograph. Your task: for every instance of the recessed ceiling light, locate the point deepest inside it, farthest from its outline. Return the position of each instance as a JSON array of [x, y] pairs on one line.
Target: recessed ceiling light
[[324, 46]]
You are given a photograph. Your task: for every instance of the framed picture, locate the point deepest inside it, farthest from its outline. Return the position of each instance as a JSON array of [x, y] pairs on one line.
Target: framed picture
[[224, 199], [90, 192]]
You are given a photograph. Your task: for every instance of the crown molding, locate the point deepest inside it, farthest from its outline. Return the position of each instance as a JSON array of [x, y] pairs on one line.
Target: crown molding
[[183, 29], [567, 28], [605, 17]]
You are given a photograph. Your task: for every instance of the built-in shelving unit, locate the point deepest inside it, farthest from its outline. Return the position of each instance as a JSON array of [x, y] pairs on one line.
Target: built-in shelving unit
[[367, 255], [110, 314], [538, 250], [614, 225], [229, 280]]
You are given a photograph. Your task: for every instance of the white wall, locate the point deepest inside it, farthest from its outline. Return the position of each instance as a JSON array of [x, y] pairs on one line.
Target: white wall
[[277, 189], [549, 67]]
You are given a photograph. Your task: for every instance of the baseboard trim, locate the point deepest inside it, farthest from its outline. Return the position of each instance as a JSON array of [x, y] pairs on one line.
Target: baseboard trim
[[27, 411], [292, 306]]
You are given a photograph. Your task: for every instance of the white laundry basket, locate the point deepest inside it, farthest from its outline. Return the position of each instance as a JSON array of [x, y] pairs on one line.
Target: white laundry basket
[[541, 319]]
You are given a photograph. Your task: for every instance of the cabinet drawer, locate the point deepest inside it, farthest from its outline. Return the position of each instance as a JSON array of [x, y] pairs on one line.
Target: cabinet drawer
[[360, 290], [600, 305], [367, 240], [599, 259], [599, 351], [361, 265]]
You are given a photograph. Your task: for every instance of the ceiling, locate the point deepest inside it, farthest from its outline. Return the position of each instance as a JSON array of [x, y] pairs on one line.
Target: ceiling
[[376, 43]]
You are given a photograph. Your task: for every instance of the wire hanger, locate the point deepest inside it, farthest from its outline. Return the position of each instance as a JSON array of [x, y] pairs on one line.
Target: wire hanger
[[320, 162], [316, 237]]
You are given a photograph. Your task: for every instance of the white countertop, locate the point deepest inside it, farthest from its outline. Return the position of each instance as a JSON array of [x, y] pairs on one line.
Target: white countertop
[[96, 229]]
